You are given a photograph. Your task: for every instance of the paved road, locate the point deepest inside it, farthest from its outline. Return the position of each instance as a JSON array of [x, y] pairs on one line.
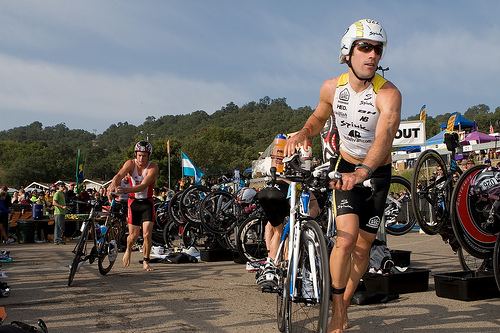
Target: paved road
[[213, 296]]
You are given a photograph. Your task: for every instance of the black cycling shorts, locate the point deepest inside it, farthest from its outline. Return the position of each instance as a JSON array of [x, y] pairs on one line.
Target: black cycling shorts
[[274, 202], [140, 210], [358, 201]]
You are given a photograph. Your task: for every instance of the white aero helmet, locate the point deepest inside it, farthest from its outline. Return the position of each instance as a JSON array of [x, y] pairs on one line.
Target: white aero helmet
[[362, 29]]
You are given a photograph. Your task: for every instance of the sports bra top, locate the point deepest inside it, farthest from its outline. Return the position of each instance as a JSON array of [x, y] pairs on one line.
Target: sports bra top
[[356, 115]]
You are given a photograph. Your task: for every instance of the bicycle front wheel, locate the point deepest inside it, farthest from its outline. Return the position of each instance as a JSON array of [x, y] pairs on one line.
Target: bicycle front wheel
[[219, 212], [79, 251], [399, 217], [250, 240], [468, 214], [429, 197], [108, 250], [496, 261], [307, 309]]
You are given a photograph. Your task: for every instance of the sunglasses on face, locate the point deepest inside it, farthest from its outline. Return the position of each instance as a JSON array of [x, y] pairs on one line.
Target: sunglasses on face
[[367, 48]]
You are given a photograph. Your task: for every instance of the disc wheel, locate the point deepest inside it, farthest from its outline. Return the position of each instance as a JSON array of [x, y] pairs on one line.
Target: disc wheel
[[429, 196], [468, 214]]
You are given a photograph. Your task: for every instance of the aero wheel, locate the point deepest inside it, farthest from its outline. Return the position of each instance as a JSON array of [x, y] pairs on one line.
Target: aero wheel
[[219, 212], [172, 234], [308, 309], [174, 208], [250, 241], [399, 216], [190, 202], [108, 249], [79, 251], [429, 196], [468, 214]]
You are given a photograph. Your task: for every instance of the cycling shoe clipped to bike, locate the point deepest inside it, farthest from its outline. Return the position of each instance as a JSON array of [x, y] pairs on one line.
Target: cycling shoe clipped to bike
[[267, 277]]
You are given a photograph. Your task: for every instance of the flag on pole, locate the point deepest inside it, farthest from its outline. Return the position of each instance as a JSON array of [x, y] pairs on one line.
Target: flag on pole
[[79, 174], [189, 169], [168, 146], [422, 113], [451, 123], [491, 129]]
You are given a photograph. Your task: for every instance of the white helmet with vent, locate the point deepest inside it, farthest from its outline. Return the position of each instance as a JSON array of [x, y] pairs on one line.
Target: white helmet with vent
[[362, 29]]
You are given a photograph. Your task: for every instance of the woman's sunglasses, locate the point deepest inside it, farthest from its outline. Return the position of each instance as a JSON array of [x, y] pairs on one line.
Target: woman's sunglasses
[[367, 48]]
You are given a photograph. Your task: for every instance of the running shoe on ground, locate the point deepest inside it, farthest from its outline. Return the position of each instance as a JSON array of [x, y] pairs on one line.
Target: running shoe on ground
[[254, 266]]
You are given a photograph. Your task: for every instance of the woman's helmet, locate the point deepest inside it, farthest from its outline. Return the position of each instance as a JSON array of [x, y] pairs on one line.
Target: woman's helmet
[[143, 146], [362, 29]]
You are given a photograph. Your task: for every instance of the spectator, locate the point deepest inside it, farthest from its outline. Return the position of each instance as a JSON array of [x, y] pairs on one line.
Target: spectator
[[70, 195], [15, 198], [487, 162], [59, 203], [4, 215], [7, 203], [470, 163], [43, 225]]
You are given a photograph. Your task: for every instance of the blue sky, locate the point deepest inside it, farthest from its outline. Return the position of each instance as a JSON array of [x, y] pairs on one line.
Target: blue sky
[[94, 63]]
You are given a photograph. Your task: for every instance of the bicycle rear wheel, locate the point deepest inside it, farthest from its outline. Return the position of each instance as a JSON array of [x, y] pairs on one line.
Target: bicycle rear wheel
[[283, 294], [307, 311], [429, 197], [80, 251], [174, 208], [172, 235], [496, 261], [190, 202], [219, 212], [468, 213], [108, 250], [250, 241], [399, 217]]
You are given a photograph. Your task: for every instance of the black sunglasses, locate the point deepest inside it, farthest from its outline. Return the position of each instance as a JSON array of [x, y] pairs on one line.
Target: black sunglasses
[[367, 48]]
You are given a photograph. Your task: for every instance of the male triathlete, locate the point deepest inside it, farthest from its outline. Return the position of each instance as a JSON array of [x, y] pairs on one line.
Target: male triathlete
[[367, 109], [140, 203]]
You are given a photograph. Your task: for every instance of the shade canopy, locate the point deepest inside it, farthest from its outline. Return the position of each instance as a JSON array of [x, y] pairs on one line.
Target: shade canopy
[[460, 123]]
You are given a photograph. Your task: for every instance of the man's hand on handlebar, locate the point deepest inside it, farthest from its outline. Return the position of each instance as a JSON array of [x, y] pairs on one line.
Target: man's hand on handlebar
[[346, 181]]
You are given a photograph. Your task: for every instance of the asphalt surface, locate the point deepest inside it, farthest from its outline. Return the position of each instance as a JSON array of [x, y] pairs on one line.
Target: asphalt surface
[[213, 296]]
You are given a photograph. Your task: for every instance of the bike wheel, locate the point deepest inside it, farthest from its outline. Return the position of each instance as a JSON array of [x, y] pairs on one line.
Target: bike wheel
[[496, 261], [471, 263], [399, 217], [430, 198], [190, 202], [308, 310], [80, 251], [172, 235], [283, 295], [195, 235], [468, 214], [108, 249], [219, 212], [174, 208], [250, 240]]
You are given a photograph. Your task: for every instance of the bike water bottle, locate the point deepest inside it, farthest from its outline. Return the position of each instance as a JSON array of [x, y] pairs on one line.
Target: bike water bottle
[[278, 152], [103, 232], [236, 176], [306, 156]]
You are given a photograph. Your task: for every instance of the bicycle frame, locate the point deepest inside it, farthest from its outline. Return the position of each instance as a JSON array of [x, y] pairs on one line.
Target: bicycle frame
[[299, 210]]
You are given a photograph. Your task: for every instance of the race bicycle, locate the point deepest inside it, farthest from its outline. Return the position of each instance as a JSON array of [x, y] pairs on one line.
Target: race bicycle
[[101, 233], [303, 290]]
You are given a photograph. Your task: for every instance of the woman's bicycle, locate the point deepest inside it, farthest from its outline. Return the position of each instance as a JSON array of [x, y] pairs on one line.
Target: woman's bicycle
[[100, 238], [302, 262]]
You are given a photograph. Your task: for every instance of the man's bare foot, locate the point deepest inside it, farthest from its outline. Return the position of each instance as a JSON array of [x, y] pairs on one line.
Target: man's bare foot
[[346, 322], [336, 325], [147, 267], [126, 258]]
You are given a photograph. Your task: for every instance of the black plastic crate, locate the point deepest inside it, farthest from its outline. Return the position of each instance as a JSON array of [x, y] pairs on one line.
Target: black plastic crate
[[401, 258], [216, 255], [466, 285], [410, 281]]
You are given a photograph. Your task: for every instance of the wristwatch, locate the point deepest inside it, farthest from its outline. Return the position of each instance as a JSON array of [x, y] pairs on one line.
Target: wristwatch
[[366, 167]]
